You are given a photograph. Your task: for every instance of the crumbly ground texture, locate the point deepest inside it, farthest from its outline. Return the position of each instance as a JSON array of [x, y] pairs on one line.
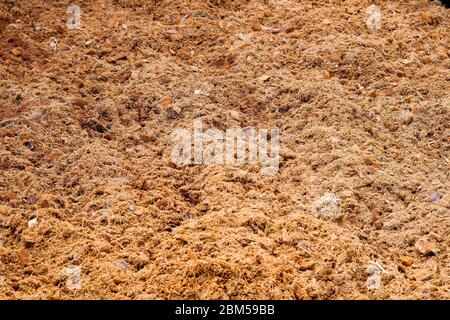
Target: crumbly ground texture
[[359, 208]]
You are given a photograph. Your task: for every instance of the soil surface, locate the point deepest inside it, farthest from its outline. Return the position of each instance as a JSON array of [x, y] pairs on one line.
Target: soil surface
[[359, 209]]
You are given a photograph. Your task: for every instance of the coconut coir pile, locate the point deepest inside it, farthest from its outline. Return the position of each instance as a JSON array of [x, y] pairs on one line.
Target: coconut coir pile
[[359, 208]]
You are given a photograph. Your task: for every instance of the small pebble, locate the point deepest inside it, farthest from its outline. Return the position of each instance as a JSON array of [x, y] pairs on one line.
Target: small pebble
[[176, 109], [435, 197], [36, 116], [255, 26], [122, 265], [73, 277], [53, 43], [32, 222], [379, 224], [264, 78], [425, 247], [407, 261], [406, 117], [373, 277]]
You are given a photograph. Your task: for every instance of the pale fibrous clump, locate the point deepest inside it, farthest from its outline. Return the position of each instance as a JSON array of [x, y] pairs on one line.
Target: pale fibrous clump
[[406, 117], [374, 271]]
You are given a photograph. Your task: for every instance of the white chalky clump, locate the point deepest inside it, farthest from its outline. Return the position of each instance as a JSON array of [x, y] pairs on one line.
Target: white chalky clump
[[373, 20]]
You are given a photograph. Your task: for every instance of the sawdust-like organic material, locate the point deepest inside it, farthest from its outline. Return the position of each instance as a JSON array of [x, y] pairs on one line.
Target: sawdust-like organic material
[[85, 123]]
